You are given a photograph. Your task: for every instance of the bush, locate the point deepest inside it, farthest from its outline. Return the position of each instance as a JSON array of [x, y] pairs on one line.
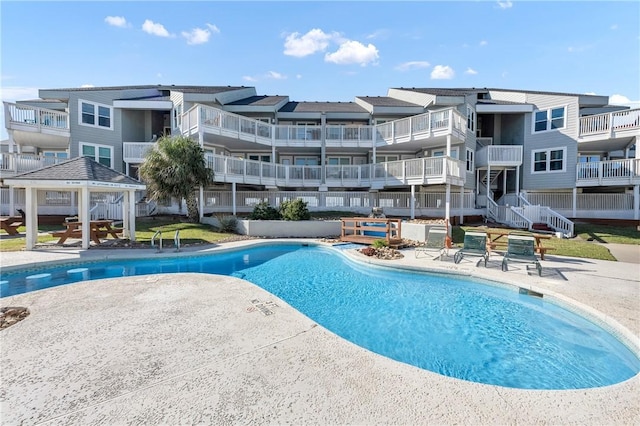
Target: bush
[[378, 244], [228, 224], [263, 211], [294, 210]]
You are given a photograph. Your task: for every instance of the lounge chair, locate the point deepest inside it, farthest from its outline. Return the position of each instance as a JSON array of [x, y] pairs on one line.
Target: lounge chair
[[436, 243], [521, 248], [475, 244]]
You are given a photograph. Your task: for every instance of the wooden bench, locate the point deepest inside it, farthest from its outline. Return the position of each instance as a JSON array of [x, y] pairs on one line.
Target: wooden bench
[[366, 230], [11, 223]]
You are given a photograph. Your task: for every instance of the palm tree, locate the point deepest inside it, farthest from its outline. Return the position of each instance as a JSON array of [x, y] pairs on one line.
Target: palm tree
[[175, 167]]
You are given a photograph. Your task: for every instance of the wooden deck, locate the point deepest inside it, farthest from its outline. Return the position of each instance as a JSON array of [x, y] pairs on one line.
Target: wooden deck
[[366, 230]]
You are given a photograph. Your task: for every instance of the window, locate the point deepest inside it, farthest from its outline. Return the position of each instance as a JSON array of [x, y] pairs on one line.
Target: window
[[441, 153], [549, 160], [471, 119], [386, 158], [306, 161], [257, 157], [177, 116], [100, 153], [95, 115], [470, 163], [549, 119], [338, 161]]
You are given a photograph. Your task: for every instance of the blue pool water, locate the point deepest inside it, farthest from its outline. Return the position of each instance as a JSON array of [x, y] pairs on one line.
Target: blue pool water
[[453, 326]]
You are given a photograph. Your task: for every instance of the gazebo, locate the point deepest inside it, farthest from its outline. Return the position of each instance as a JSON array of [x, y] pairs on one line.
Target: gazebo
[[84, 176]]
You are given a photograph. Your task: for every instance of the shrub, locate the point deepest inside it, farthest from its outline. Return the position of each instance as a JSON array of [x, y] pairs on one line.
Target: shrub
[[228, 224], [294, 210], [263, 211], [378, 244]]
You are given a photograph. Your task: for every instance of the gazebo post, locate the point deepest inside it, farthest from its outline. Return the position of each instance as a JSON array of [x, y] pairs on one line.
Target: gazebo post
[[31, 217], [132, 215], [83, 210]]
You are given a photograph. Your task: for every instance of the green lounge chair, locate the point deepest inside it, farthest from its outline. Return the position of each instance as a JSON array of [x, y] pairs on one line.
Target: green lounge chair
[[436, 243], [475, 244], [521, 248]]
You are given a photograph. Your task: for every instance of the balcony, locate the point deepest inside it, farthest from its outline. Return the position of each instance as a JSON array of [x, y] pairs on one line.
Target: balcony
[[620, 124], [417, 128], [499, 156], [134, 152], [37, 127], [604, 173], [418, 171], [12, 164]]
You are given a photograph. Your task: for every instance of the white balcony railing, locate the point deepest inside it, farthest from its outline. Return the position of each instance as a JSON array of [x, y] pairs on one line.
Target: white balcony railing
[[395, 173], [499, 155], [19, 116], [612, 172], [609, 124], [134, 152], [430, 124], [12, 163]]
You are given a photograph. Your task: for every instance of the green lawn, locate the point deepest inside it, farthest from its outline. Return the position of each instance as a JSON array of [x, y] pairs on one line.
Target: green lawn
[[608, 234]]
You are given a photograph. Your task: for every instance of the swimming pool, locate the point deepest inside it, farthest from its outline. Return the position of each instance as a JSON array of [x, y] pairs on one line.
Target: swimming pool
[[457, 327]]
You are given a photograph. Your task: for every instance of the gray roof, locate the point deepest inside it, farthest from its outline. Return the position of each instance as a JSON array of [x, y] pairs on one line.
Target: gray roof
[[79, 169], [467, 91], [259, 100], [498, 102], [178, 88], [322, 107], [386, 101]]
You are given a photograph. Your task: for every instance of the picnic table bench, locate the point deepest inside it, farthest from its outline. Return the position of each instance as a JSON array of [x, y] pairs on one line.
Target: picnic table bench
[[98, 229], [11, 223], [494, 240]]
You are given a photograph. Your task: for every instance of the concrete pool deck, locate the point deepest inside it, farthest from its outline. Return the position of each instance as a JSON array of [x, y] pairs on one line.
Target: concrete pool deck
[[165, 349]]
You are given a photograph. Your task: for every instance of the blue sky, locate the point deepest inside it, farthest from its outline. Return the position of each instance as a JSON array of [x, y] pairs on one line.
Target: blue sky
[[323, 51]]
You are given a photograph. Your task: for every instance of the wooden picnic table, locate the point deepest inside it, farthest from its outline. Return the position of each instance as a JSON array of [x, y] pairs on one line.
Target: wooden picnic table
[[97, 228], [494, 240], [11, 223]]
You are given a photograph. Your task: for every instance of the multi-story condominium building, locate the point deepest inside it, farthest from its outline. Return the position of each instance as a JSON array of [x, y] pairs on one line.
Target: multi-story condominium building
[[518, 157]]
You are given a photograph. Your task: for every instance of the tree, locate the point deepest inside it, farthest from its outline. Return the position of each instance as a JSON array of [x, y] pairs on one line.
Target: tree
[[175, 167]]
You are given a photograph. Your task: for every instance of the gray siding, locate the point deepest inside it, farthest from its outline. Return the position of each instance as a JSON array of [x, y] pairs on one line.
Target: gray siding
[[564, 138]]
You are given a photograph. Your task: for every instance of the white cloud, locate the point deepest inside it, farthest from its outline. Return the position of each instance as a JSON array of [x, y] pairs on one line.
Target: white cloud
[[116, 21], [442, 72], [314, 41], [276, 75], [483, 42], [152, 28], [379, 34], [11, 94], [85, 86], [353, 52], [471, 71], [249, 78], [623, 100], [505, 4], [200, 35], [413, 65]]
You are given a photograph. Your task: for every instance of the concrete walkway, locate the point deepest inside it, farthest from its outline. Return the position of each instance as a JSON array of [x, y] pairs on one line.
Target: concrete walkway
[[194, 348]]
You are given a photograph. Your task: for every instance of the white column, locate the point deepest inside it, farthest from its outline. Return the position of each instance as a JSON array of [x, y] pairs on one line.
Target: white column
[[461, 204], [132, 215], [448, 152], [518, 182], [126, 206], [413, 201], [31, 207], [504, 182], [233, 198], [12, 205], [84, 216], [447, 203], [574, 201], [636, 201]]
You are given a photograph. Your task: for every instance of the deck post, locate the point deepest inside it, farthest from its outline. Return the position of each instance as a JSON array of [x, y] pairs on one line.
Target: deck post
[[233, 198], [574, 201], [447, 203], [31, 207], [636, 202], [413, 201]]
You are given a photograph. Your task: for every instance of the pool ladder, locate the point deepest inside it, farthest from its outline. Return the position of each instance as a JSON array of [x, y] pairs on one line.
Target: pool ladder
[[153, 241], [176, 240]]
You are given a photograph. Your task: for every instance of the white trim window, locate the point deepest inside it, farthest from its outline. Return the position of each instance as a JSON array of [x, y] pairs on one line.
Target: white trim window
[[441, 152], [259, 157], [551, 160], [177, 116], [93, 114], [545, 120], [103, 154], [471, 166], [471, 119], [338, 161]]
